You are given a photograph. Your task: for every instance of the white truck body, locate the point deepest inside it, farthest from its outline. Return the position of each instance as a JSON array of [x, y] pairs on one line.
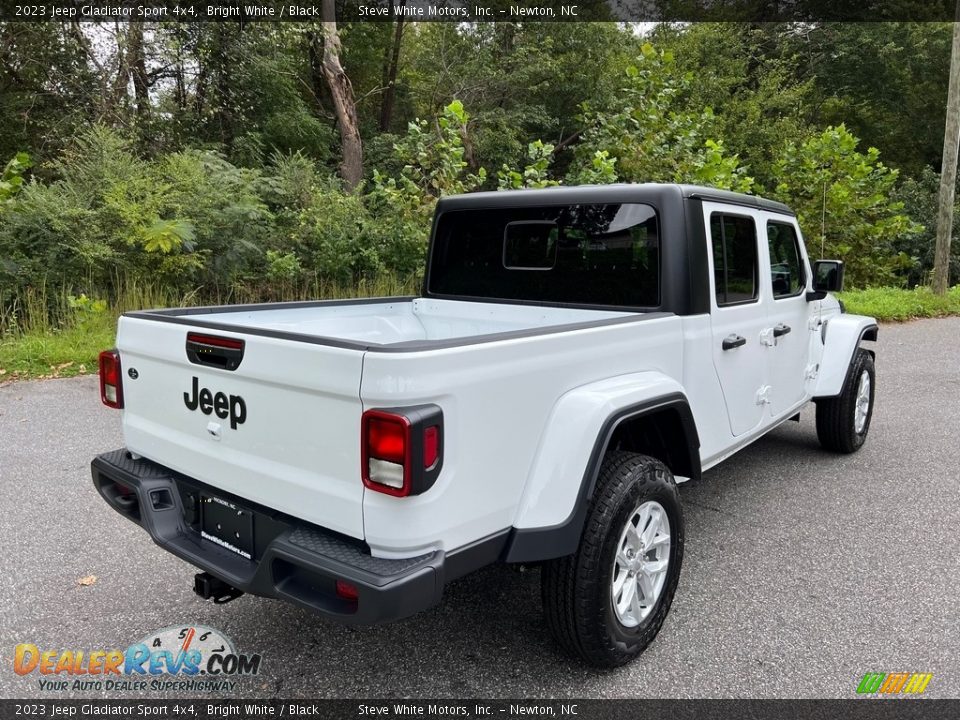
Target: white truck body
[[527, 389]]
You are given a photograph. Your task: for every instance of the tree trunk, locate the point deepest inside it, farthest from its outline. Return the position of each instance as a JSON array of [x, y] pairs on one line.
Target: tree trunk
[[137, 64], [119, 96], [317, 80], [390, 73], [948, 172], [344, 104]]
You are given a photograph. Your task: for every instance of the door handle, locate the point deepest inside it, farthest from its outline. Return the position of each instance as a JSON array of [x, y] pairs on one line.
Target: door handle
[[733, 341], [781, 330]]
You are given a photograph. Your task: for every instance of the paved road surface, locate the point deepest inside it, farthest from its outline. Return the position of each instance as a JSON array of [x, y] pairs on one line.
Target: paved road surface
[[803, 570]]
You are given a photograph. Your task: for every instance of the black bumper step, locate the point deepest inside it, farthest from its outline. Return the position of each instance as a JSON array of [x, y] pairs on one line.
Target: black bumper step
[[292, 560]]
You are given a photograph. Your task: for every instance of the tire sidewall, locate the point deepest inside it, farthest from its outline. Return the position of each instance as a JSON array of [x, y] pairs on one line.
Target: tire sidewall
[[864, 362], [651, 482]]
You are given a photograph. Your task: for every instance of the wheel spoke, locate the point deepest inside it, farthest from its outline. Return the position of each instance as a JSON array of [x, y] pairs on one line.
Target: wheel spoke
[[629, 593], [658, 540], [646, 587], [618, 582], [646, 537], [653, 568]]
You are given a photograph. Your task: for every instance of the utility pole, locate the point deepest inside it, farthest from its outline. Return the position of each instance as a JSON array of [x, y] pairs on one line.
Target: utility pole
[[948, 171]]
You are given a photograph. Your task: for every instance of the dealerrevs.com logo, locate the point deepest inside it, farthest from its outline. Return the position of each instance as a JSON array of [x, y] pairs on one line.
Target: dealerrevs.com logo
[[183, 659], [900, 683]]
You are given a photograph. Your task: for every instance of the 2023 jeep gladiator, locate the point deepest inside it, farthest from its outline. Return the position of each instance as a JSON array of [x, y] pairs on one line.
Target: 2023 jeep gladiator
[[575, 353]]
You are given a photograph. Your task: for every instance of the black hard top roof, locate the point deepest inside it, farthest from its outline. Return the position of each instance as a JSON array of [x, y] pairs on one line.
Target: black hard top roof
[[621, 192]]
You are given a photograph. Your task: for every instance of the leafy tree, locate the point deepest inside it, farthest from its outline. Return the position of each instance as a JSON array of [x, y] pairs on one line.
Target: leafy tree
[[886, 81], [843, 201], [752, 77], [920, 201], [11, 180], [652, 136], [534, 175]]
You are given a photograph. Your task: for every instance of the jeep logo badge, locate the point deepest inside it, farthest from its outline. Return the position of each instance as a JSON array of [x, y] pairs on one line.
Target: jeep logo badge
[[224, 406]]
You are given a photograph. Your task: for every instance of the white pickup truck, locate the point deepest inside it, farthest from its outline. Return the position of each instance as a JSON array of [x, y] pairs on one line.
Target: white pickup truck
[[575, 353]]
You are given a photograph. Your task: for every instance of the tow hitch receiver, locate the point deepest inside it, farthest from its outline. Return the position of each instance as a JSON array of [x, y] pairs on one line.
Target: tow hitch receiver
[[207, 586]]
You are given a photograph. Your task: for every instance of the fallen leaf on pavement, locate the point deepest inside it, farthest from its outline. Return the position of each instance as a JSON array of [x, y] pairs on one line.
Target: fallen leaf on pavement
[[87, 581]]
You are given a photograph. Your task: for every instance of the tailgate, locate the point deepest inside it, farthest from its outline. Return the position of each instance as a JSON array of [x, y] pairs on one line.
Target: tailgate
[[282, 429]]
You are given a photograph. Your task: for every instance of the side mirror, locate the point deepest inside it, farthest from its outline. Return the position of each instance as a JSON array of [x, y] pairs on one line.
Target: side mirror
[[827, 277]]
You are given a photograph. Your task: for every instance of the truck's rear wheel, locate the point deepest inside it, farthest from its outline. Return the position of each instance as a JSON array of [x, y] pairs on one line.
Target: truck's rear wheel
[[843, 421], [607, 602]]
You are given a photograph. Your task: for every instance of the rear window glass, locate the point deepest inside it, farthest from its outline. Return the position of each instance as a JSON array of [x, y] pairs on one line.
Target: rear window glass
[[578, 254], [530, 245]]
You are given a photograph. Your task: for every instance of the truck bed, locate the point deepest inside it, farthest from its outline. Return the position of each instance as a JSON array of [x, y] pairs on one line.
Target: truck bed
[[401, 323]]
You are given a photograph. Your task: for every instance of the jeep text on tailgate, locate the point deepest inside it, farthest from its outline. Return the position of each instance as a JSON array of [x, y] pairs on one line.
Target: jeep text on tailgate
[[576, 353]]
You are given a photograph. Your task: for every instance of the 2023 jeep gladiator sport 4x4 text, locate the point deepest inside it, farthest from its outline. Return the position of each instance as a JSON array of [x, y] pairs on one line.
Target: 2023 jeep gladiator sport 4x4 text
[[575, 353]]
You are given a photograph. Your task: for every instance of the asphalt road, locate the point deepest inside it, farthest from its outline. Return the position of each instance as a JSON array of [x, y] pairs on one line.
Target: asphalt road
[[803, 570]]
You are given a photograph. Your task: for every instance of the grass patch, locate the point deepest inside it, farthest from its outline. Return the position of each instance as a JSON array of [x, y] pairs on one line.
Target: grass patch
[[897, 304], [56, 353]]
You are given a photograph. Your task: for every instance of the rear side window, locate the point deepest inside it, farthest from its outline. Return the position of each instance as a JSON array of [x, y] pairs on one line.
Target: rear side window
[[597, 254], [786, 263], [735, 265]]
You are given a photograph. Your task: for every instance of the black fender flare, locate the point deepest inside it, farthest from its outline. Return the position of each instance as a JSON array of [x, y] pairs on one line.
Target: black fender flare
[[547, 543]]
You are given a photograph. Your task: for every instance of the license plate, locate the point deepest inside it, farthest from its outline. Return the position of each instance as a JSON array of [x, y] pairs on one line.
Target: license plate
[[227, 525]]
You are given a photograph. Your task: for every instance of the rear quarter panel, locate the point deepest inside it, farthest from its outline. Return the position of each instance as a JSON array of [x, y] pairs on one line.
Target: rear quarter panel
[[497, 399]]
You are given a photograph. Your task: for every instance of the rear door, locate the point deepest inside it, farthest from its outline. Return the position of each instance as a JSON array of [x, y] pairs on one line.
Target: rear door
[[789, 314], [281, 429], [738, 314]]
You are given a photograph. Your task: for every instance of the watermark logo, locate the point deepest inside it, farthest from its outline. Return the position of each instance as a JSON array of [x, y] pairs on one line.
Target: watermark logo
[[169, 659], [894, 683]]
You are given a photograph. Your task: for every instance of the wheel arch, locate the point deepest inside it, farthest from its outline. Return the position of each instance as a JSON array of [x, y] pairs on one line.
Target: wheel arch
[[662, 426], [842, 336]]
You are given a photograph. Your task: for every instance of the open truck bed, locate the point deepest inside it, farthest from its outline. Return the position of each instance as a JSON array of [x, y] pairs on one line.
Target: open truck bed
[[403, 323]]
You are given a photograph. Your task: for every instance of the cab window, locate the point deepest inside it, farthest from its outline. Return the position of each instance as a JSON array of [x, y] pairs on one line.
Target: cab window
[[786, 261], [735, 264]]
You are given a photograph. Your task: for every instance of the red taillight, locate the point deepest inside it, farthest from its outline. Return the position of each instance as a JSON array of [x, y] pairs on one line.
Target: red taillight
[[111, 381], [401, 449], [385, 451], [346, 590], [431, 446], [387, 438]]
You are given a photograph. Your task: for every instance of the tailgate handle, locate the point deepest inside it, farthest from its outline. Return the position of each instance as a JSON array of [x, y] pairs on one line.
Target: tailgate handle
[[214, 351]]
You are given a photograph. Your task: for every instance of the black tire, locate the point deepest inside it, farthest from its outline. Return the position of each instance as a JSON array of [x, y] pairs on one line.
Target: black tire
[[836, 417], [577, 589]]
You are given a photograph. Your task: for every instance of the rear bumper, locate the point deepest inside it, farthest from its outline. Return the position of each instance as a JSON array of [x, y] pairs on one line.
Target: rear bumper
[[291, 560]]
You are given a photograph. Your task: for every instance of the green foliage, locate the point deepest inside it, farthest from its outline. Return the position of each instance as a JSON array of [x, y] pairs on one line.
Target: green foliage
[[11, 181], [602, 170], [885, 303], [85, 305], [920, 198], [842, 198], [434, 156], [534, 175], [165, 236], [652, 135], [753, 78], [222, 184]]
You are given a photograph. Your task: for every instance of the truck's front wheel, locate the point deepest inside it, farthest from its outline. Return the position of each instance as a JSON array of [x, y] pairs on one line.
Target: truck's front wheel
[[607, 602], [843, 421]]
